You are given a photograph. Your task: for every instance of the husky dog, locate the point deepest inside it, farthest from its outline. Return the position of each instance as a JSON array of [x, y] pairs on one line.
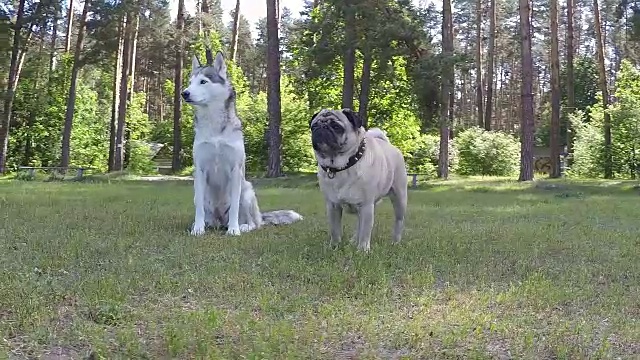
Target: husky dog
[[222, 195], [356, 169]]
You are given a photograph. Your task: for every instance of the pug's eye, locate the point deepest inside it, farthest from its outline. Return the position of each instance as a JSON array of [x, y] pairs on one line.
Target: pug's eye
[[202, 82], [336, 127]]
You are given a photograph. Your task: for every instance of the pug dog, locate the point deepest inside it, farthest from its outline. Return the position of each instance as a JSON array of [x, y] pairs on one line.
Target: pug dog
[[356, 169]]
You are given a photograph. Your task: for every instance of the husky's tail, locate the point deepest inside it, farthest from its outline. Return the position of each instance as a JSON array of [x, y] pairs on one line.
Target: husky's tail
[[378, 133], [280, 217]]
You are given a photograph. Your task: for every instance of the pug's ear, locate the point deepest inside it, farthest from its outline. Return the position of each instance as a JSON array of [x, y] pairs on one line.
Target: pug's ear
[[313, 117], [353, 118]]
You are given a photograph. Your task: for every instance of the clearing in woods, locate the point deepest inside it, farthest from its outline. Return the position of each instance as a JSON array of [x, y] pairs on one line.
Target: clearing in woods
[[487, 269]]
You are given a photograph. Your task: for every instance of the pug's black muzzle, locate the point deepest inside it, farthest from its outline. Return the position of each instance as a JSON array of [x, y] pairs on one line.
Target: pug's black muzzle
[[324, 135]]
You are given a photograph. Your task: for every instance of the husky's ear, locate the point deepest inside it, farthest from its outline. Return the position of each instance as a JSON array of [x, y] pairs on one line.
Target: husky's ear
[[195, 63], [313, 117], [219, 65], [353, 118]]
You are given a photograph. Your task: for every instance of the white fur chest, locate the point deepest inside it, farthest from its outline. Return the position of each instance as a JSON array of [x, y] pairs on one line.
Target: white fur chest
[[217, 144]]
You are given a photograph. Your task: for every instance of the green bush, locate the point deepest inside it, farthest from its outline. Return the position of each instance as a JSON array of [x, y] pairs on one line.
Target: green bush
[[140, 158], [425, 159], [482, 152]]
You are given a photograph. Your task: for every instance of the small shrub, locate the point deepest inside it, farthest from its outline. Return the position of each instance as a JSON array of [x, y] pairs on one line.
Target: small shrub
[[491, 153], [425, 159], [140, 159]]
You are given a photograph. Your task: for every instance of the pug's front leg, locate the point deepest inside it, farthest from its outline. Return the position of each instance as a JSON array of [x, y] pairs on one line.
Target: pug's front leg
[[365, 226], [334, 214]]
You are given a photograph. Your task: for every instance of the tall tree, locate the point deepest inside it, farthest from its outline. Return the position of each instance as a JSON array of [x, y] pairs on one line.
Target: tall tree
[[124, 89], [67, 40], [17, 59], [490, 64], [602, 80], [447, 82], [349, 62], [117, 75], [177, 82], [71, 96], [479, 92], [571, 98], [274, 168], [234, 33], [555, 92], [526, 104]]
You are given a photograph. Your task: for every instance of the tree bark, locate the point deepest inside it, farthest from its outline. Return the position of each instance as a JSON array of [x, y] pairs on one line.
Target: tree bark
[[365, 87], [571, 98], [54, 37], [602, 79], [273, 90], [490, 65], [526, 103], [176, 160], [117, 71], [71, 97], [14, 72], [479, 95], [134, 50], [349, 55], [555, 93], [447, 82], [67, 44], [122, 102], [234, 35]]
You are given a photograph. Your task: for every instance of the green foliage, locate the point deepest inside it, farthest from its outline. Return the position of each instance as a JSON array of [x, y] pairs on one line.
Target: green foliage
[[425, 158], [588, 145], [140, 158], [484, 152], [625, 131]]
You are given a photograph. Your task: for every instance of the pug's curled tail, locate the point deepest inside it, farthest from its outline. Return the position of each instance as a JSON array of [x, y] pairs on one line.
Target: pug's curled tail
[[280, 217], [378, 133]]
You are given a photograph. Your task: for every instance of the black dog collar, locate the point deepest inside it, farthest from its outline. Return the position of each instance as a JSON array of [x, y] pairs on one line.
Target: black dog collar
[[331, 172]]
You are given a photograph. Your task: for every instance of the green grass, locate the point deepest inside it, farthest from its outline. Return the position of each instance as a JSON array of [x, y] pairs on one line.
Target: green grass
[[487, 269]]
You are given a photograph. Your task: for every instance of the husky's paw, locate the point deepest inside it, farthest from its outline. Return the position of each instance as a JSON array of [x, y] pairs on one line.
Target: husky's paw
[[246, 227], [197, 229], [235, 231]]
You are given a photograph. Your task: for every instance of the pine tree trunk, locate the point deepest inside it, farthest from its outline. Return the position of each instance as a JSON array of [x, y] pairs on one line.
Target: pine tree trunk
[[234, 35], [71, 97], [176, 161], [602, 80], [67, 44], [54, 37], [555, 93], [447, 82], [15, 67], [134, 50], [117, 71], [526, 107], [479, 95], [365, 87], [490, 65], [571, 98], [274, 168], [122, 102], [349, 61]]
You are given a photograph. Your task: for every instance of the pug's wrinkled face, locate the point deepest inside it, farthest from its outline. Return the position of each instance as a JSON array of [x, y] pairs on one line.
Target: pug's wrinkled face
[[335, 132]]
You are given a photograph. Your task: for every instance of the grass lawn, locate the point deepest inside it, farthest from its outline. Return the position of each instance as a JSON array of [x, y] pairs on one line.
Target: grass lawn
[[487, 269]]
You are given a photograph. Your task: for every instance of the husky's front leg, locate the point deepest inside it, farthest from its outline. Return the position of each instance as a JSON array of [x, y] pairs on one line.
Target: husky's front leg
[[199, 188], [234, 198]]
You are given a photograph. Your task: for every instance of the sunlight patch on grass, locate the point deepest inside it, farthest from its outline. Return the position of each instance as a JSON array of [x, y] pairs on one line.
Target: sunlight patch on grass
[[519, 272]]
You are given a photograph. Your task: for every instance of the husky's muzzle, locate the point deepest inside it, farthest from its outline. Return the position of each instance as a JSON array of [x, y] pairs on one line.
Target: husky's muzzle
[[185, 95]]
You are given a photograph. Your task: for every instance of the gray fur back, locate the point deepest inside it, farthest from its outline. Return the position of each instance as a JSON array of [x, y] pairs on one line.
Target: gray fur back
[[281, 217]]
